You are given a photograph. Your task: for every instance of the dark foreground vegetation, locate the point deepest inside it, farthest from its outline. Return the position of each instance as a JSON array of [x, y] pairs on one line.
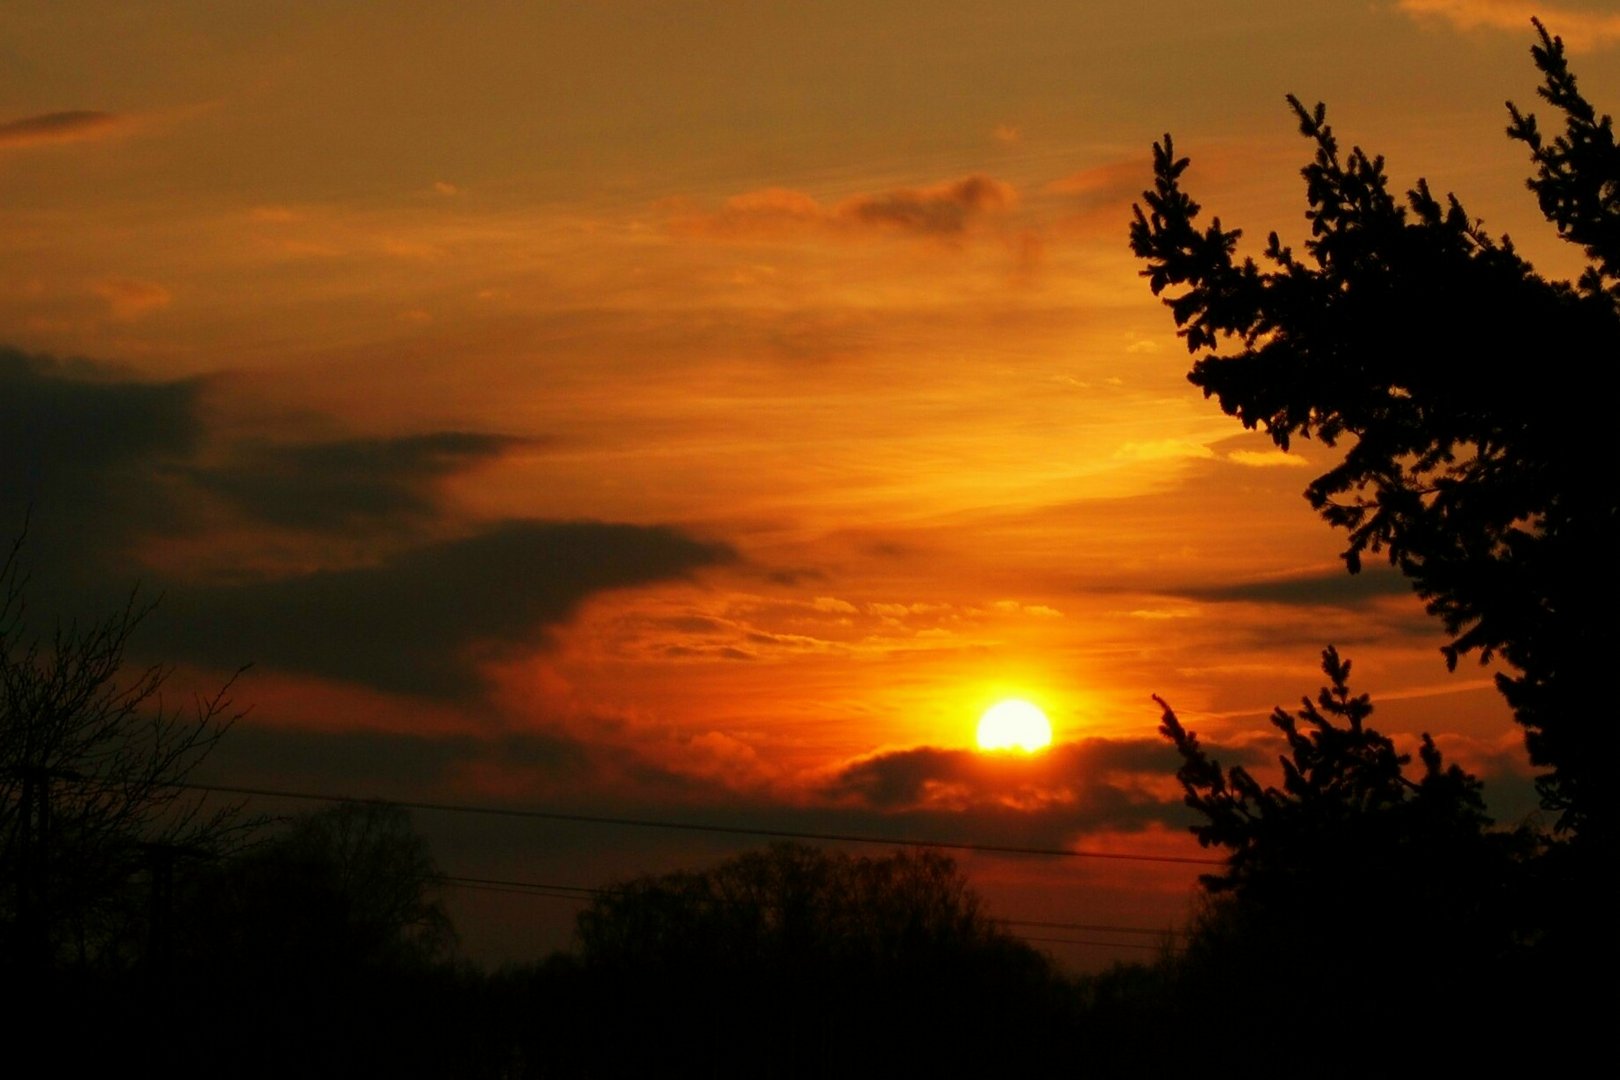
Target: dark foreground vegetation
[[1369, 918], [1366, 909]]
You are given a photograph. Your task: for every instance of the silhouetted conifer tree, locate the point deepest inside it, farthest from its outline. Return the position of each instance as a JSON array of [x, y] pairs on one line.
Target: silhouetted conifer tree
[[1478, 448], [1356, 899]]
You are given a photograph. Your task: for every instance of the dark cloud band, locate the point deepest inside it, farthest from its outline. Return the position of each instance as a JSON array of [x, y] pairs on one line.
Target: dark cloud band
[[67, 126], [104, 467], [421, 622]]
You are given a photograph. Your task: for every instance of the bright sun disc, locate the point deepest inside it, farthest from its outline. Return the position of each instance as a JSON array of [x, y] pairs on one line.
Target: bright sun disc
[[1011, 724]]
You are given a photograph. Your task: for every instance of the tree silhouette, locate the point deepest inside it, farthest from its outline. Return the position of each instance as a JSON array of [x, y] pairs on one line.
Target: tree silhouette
[[347, 888], [1459, 383], [91, 814], [319, 949], [799, 961], [1347, 821], [1351, 890], [790, 902]]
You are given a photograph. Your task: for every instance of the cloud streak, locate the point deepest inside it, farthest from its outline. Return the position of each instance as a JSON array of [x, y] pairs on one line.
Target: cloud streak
[[348, 483], [939, 211], [942, 210], [90, 458], [76, 125], [424, 621], [1583, 31], [130, 298], [1330, 589], [1090, 784]]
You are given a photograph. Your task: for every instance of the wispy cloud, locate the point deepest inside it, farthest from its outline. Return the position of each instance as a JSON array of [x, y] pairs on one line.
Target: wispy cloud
[[1334, 587], [1115, 183], [941, 210], [77, 125], [1582, 30], [1267, 459], [1163, 450], [130, 298], [944, 209]]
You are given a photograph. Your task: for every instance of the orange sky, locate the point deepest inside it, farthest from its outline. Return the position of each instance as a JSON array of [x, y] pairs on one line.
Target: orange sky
[[706, 410]]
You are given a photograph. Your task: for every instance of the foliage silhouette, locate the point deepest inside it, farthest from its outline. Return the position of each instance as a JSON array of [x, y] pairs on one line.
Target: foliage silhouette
[[350, 887], [1458, 380], [1347, 824], [1351, 891], [790, 900], [321, 949], [91, 818], [798, 961]]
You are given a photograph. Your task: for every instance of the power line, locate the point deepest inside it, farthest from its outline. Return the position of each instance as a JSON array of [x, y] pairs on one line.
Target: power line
[[693, 826], [588, 891], [537, 893]]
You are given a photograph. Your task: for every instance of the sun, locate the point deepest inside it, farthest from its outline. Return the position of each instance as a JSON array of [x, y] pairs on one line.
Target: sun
[[1014, 724]]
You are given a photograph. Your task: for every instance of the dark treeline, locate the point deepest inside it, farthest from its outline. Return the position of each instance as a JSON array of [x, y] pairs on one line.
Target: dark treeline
[[1365, 917], [321, 950]]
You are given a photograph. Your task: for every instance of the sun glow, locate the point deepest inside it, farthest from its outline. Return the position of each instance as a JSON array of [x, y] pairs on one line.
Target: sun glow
[[1014, 724]]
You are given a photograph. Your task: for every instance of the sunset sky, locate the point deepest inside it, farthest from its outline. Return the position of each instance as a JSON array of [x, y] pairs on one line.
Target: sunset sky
[[704, 411]]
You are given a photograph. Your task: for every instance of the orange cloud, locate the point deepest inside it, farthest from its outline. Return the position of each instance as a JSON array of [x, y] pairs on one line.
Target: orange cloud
[[1163, 450], [279, 214], [940, 210], [770, 211], [1079, 786], [1117, 181], [1581, 30], [129, 298], [76, 125], [1101, 195], [1267, 459]]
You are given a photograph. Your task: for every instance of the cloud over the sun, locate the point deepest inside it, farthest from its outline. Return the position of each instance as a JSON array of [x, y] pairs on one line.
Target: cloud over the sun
[[1091, 783]]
